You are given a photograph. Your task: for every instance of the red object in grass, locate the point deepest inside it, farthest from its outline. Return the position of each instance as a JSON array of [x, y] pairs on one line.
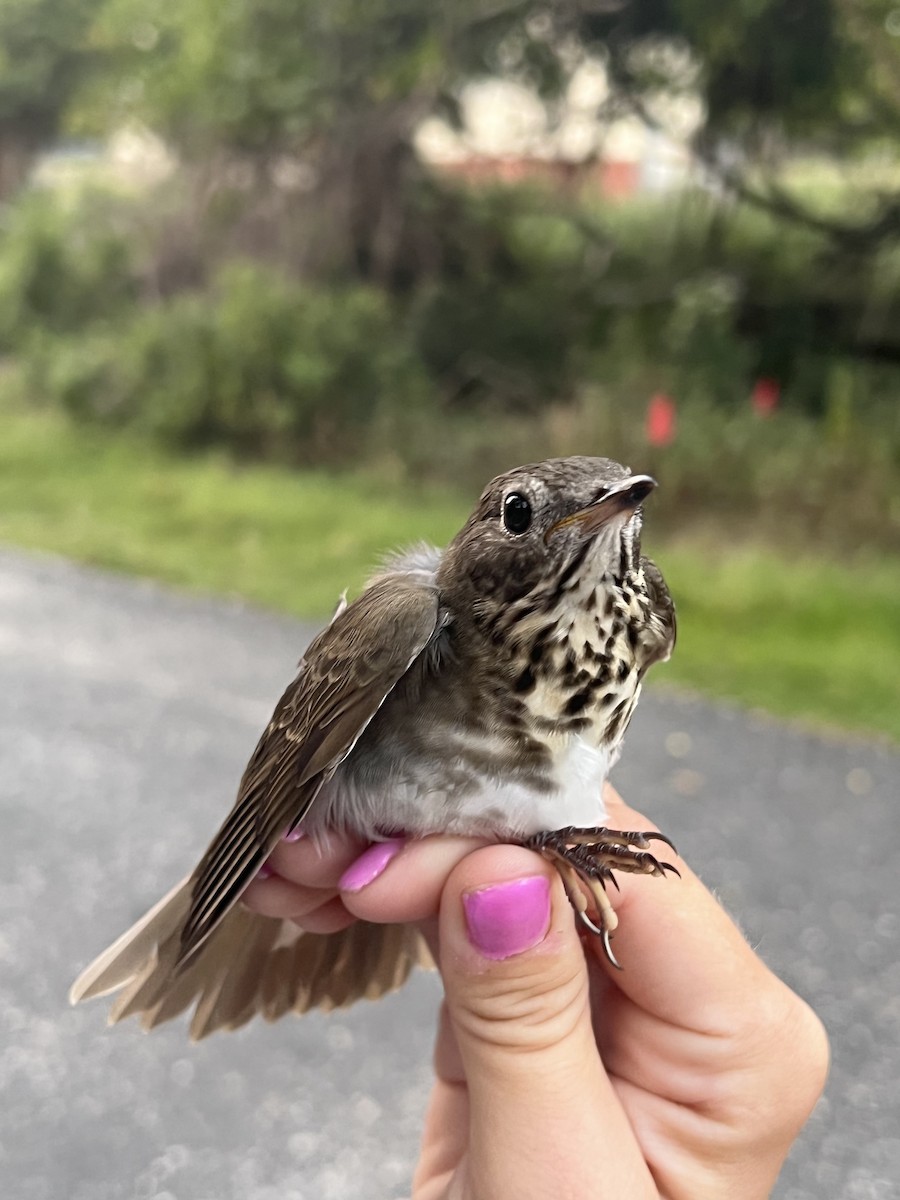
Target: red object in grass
[[765, 396], [660, 425]]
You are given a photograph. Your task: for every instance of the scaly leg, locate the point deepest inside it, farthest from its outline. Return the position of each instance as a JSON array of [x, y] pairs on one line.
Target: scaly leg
[[586, 859]]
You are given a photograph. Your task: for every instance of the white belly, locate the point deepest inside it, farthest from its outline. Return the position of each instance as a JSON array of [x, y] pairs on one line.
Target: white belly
[[492, 807], [579, 775]]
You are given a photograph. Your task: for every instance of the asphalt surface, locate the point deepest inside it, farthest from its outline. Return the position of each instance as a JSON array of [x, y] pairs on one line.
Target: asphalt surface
[[126, 715]]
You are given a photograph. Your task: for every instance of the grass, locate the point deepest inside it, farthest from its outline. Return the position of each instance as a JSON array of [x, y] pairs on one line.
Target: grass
[[808, 639], [800, 638], [285, 540]]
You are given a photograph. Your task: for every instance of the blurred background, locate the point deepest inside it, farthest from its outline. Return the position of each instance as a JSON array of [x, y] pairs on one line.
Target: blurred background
[[284, 282]]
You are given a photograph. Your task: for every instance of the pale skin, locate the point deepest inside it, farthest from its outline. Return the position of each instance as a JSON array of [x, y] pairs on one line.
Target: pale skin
[[687, 1075]]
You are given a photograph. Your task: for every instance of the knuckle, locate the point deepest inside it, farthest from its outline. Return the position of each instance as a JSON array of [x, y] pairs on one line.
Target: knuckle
[[780, 1067], [528, 1008], [811, 1056]]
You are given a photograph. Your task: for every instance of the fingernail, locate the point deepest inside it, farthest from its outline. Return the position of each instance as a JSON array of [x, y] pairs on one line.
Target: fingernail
[[369, 865], [294, 835], [508, 918], [265, 872]]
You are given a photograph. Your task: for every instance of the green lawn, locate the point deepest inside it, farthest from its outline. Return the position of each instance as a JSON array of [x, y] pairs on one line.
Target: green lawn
[[801, 638]]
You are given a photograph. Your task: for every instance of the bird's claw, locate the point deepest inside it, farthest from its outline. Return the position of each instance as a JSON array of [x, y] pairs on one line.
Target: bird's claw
[[608, 950], [660, 837], [586, 859]]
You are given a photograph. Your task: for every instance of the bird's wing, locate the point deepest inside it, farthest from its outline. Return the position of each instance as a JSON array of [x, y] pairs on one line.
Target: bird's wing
[[344, 678], [249, 964], [663, 607]]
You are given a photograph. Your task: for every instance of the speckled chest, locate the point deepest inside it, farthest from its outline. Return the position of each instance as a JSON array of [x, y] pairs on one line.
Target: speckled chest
[[578, 671]]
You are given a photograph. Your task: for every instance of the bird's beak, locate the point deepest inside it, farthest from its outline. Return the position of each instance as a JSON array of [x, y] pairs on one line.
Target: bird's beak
[[622, 497]]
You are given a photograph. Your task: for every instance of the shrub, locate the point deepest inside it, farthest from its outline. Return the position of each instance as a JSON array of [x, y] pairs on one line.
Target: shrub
[[261, 364], [64, 264]]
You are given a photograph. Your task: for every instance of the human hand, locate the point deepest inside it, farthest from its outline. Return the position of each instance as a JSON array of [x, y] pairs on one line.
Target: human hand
[[687, 1075]]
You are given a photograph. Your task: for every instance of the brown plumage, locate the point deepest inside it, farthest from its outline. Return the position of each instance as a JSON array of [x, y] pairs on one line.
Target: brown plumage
[[474, 692]]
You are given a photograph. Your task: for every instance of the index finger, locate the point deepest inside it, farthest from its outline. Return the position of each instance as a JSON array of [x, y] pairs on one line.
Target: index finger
[[409, 887]]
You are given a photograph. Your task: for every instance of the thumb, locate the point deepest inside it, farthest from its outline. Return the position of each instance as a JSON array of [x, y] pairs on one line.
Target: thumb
[[541, 1106]]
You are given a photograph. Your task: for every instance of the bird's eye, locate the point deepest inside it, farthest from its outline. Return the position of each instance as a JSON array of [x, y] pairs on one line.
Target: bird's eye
[[516, 512]]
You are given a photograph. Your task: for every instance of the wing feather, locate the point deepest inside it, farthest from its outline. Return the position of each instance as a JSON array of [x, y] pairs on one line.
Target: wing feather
[[344, 678]]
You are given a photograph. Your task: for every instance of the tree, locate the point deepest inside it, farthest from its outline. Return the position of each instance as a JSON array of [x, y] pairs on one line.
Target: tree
[[341, 86], [45, 54]]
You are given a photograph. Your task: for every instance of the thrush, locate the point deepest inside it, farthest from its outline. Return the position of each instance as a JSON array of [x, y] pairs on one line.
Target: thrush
[[481, 691]]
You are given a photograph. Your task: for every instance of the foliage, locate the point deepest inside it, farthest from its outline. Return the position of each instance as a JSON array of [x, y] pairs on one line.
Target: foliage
[[262, 365], [294, 123], [757, 61], [261, 76], [529, 312], [390, 316], [266, 73], [64, 263], [336, 90], [44, 58], [662, 294]]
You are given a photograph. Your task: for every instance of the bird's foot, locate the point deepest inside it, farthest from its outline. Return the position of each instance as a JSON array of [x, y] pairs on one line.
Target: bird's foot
[[586, 859]]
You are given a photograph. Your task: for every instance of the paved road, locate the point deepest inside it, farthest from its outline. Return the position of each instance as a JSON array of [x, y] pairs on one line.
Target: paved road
[[126, 714]]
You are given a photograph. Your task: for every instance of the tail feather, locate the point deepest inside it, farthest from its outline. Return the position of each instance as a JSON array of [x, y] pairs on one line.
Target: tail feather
[[250, 964], [120, 962]]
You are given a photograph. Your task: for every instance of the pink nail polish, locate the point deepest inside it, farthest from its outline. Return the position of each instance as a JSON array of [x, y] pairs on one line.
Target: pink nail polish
[[369, 865], [508, 918], [294, 835], [265, 872]]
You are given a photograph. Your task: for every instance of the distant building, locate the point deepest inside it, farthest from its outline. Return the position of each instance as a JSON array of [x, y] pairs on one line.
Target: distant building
[[510, 136]]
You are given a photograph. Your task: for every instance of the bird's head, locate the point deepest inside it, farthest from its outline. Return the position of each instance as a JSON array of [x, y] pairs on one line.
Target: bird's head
[[545, 528]]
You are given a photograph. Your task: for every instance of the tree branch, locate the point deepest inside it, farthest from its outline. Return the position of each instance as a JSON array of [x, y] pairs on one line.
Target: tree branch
[[856, 238], [852, 237]]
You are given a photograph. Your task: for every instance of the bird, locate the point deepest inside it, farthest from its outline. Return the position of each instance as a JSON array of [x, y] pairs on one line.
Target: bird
[[483, 690]]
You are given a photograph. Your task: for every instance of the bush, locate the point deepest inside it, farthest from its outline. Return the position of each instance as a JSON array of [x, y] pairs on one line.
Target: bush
[[64, 264], [499, 346], [536, 334], [261, 364]]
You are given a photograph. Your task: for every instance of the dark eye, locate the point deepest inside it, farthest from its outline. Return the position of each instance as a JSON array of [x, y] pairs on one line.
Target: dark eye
[[516, 512]]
